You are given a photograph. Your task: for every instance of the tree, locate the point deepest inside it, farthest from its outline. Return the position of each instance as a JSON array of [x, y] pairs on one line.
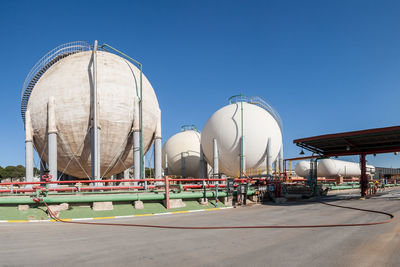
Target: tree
[[14, 171]]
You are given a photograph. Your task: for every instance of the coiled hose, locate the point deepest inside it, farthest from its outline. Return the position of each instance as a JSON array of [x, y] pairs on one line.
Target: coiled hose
[[391, 217]]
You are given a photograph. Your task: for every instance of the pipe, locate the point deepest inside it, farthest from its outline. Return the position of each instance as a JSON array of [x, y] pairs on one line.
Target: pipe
[[110, 181], [242, 153], [98, 153], [242, 158], [136, 155], [136, 140], [52, 139], [116, 198], [215, 159], [95, 156], [28, 149]]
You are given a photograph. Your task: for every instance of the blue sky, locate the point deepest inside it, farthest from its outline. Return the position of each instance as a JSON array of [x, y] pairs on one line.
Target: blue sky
[[326, 66]]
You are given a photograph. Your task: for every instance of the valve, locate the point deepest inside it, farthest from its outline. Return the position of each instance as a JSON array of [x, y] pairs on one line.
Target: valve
[[37, 200]]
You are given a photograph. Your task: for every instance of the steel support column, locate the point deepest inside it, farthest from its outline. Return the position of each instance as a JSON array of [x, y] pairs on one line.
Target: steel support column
[[28, 149], [281, 160], [203, 165], [215, 159], [166, 164], [158, 150], [136, 155], [268, 158], [364, 177], [183, 167], [126, 176], [52, 140]]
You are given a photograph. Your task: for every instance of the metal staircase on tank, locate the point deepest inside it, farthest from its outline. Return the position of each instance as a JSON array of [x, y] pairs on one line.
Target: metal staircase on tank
[[258, 101], [44, 64]]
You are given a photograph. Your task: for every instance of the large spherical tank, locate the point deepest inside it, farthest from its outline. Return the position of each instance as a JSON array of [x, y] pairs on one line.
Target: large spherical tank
[[225, 126], [186, 144], [69, 81]]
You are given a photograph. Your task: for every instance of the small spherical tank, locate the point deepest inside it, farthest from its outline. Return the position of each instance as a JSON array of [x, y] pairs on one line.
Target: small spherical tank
[[182, 151], [69, 82], [225, 125]]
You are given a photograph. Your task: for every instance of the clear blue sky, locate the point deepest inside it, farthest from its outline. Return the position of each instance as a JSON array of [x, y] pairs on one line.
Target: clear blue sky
[[326, 66]]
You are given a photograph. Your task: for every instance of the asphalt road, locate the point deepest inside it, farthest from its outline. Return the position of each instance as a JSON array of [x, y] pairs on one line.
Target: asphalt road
[[58, 244]]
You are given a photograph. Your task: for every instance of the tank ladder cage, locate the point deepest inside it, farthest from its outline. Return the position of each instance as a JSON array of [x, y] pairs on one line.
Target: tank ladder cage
[[104, 46], [44, 64], [258, 101], [189, 127]]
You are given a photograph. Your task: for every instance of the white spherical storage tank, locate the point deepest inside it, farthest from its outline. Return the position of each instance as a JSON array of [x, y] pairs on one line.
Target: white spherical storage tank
[[69, 81], [332, 168], [225, 126], [182, 152]]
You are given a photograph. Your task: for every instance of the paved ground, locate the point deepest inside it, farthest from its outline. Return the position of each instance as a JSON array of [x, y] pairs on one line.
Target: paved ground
[[57, 244]]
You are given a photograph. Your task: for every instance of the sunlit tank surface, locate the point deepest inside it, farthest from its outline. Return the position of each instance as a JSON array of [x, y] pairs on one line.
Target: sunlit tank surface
[[69, 81], [225, 126], [188, 143], [332, 168]]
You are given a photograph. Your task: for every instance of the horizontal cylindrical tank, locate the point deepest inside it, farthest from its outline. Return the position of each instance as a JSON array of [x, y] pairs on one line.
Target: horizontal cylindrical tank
[[332, 168], [70, 82], [225, 125], [183, 154]]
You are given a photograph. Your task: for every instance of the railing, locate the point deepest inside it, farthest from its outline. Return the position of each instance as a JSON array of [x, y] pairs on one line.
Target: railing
[[190, 127], [42, 65], [258, 101], [75, 186]]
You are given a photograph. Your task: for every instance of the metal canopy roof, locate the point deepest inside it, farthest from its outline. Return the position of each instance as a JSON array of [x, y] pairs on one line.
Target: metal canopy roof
[[372, 141]]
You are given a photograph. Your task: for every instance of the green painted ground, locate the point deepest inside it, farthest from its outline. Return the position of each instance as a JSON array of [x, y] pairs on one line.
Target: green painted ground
[[39, 213]]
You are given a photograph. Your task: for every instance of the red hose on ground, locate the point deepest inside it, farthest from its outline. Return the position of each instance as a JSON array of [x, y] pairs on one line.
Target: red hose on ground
[[239, 227]]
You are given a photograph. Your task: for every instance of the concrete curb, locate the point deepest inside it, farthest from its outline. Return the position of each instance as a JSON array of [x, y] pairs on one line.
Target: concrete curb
[[117, 217]]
